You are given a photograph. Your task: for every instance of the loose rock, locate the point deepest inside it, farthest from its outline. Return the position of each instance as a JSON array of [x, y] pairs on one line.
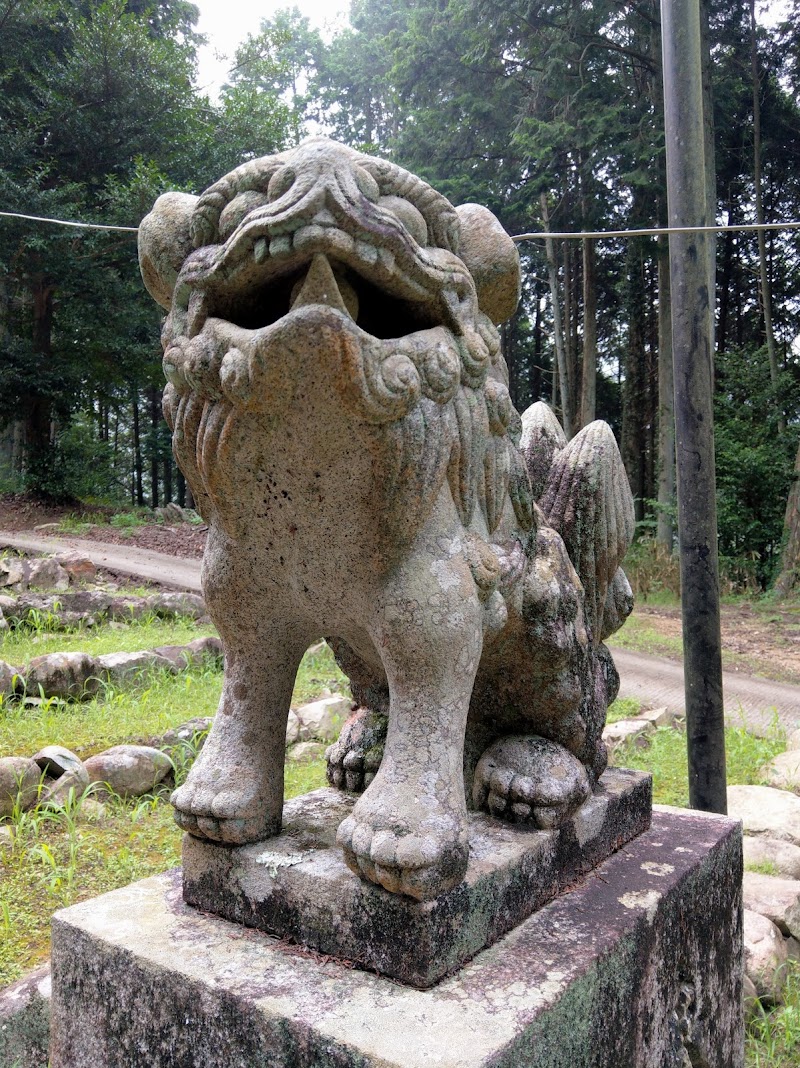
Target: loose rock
[[306, 752], [66, 675], [126, 667], [79, 568], [129, 770], [58, 793], [56, 760], [25, 1021], [627, 730], [784, 855], [783, 771], [193, 731], [19, 783], [766, 811], [659, 717], [292, 728], [777, 899], [765, 956], [7, 676], [793, 741], [322, 720], [48, 574]]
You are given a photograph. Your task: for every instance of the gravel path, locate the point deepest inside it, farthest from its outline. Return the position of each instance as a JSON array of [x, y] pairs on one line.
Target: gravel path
[[651, 679], [180, 573]]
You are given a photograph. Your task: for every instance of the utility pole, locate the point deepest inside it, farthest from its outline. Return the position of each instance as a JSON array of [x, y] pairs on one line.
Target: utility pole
[[691, 275]]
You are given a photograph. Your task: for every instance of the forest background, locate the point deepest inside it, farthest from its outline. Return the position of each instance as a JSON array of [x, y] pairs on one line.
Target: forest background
[[548, 111]]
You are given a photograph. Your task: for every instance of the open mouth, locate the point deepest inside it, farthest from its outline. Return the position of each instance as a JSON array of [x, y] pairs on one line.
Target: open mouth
[[389, 289]]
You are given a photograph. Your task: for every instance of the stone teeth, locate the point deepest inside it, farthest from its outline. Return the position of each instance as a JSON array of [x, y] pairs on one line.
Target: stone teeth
[[308, 235], [260, 250], [367, 253], [280, 245]]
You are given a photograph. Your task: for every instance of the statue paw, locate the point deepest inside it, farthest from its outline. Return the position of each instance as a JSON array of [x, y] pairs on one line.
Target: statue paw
[[354, 759], [418, 854], [527, 779], [209, 806]]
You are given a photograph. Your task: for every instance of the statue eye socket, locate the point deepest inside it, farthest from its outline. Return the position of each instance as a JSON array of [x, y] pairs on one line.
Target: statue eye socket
[[281, 182], [233, 213], [407, 214]]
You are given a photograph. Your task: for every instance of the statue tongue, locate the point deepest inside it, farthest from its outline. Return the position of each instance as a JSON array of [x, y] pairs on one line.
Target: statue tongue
[[320, 286]]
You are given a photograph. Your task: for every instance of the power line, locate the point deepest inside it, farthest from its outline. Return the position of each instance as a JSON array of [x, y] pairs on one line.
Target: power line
[[66, 222], [654, 232], [597, 235]]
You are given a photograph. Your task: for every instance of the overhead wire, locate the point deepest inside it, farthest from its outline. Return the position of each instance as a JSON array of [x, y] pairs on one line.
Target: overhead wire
[[596, 235]]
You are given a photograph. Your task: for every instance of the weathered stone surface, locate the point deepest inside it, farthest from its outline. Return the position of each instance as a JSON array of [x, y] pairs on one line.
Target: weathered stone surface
[[292, 728], [6, 837], [298, 886], [659, 717], [14, 571], [398, 519], [627, 730], [793, 740], [79, 568], [765, 811], [750, 1002], [637, 966], [67, 675], [19, 783], [322, 720], [129, 770], [127, 667], [8, 674], [777, 899], [783, 771], [783, 855], [193, 731], [792, 947], [169, 605], [3, 621], [208, 646], [48, 574], [765, 955], [25, 1021], [56, 760], [305, 752], [66, 790]]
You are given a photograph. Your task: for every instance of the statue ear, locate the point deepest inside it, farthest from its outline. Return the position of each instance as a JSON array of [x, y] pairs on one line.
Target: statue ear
[[164, 243], [492, 259]]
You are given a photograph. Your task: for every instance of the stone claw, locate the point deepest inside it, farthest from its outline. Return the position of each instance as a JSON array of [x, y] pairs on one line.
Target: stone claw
[[530, 780], [355, 758]]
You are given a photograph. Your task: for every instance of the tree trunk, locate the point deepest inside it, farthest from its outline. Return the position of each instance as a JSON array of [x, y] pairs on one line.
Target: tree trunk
[[634, 387], [560, 369], [766, 294], [589, 374], [155, 424], [665, 529], [787, 580], [138, 489]]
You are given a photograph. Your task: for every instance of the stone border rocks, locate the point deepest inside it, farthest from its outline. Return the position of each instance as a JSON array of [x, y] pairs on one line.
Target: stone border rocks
[[76, 675]]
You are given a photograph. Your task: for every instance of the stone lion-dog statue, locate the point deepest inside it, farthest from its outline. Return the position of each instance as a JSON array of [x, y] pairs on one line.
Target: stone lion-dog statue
[[340, 409]]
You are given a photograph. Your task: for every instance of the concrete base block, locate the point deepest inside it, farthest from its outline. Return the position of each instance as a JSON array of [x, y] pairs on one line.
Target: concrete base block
[[638, 966], [298, 887]]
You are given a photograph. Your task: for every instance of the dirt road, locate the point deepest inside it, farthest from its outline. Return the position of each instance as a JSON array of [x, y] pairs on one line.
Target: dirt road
[[653, 680]]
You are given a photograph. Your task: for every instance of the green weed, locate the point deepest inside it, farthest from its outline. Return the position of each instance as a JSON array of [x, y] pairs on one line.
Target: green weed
[[623, 708], [666, 758], [773, 1035]]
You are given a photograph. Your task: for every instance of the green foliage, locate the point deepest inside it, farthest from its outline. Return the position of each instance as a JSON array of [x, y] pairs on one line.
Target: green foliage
[[773, 1034], [665, 757], [754, 465]]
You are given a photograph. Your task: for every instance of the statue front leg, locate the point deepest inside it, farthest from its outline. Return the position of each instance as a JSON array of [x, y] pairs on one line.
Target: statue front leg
[[408, 832]]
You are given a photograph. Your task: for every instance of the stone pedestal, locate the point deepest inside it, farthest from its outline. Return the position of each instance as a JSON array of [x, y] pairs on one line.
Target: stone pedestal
[[639, 965], [298, 887]]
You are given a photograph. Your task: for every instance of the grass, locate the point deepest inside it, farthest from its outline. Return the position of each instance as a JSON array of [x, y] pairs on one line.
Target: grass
[[666, 758], [21, 644], [61, 857], [639, 634], [773, 1036], [623, 708]]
